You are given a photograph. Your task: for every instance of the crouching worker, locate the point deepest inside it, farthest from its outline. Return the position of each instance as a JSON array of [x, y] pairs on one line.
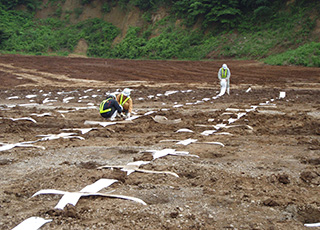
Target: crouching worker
[[110, 107], [125, 101]]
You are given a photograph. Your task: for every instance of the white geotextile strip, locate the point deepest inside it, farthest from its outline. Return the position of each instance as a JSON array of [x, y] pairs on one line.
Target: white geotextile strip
[[47, 137], [90, 190], [83, 131], [164, 152], [57, 136], [32, 223], [223, 84], [104, 123], [24, 118], [184, 131], [313, 225], [211, 143], [186, 142], [5, 147], [73, 197], [134, 166], [41, 115]]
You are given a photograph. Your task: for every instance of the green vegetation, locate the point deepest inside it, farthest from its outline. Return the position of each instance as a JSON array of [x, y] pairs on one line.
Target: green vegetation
[[255, 29], [19, 33], [307, 55]]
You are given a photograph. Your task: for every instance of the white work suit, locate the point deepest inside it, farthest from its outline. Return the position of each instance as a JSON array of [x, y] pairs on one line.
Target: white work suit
[[224, 78]]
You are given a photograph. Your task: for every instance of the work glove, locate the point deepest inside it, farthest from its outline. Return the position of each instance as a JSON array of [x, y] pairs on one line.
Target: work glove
[[128, 115]]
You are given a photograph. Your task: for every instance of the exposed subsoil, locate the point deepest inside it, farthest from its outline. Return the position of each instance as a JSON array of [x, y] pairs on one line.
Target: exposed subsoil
[[266, 175]]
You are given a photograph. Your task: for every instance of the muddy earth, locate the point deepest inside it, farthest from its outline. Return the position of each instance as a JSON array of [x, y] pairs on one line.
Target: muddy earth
[[249, 160]]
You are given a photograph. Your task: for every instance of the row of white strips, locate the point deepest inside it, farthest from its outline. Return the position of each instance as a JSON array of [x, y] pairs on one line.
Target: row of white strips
[[128, 168]]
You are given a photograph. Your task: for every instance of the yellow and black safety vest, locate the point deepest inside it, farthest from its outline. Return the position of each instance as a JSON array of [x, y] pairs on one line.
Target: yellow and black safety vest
[[224, 73], [121, 98], [102, 105]]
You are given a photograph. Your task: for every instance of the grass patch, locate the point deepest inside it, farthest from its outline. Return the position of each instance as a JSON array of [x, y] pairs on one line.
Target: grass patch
[[306, 55]]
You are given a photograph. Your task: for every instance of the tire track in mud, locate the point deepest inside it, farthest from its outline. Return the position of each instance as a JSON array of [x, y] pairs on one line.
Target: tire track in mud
[[45, 79]]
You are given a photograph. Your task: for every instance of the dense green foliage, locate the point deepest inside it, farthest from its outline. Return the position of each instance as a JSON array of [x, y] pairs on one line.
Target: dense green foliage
[[30, 4], [98, 33], [307, 55], [228, 28], [19, 33]]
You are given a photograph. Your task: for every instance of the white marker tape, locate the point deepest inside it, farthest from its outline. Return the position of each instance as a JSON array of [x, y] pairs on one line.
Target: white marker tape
[[132, 118], [29, 105], [184, 131], [104, 124], [73, 197], [253, 108], [232, 109], [24, 118], [83, 97], [134, 166], [312, 225], [49, 137], [31, 96], [5, 147], [88, 90], [13, 97], [148, 113], [83, 131], [187, 141], [211, 143], [223, 133], [208, 132], [41, 115], [67, 99], [177, 106], [171, 140], [164, 152], [32, 223], [90, 190], [167, 93], [47, 100]]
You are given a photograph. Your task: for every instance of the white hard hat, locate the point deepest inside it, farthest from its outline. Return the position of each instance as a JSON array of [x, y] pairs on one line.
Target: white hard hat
[[126, 92], [224, 66]]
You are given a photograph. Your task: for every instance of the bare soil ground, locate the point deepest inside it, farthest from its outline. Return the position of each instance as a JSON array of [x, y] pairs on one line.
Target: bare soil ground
[[266, 176]]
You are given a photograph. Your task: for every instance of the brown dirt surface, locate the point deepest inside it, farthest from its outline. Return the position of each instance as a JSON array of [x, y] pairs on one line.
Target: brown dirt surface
[[265, 174]]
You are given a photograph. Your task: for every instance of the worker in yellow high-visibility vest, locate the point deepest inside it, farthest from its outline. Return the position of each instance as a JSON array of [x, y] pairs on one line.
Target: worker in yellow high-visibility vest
[[224, 77], [109, 108], [125, 101]]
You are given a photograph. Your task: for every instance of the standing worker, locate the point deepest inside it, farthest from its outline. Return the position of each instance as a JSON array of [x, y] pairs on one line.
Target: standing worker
[[110, 107], [224, 77], [125, 101]]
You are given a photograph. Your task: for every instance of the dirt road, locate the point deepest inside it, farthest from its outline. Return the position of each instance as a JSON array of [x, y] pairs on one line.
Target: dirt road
[[248, 160]]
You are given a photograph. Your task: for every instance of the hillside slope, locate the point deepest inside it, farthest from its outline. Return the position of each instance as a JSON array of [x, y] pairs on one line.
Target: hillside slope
[[135, 29], [76, 12]]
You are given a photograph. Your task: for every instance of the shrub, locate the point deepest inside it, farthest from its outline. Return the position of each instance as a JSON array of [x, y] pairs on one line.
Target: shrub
[[306, 55]]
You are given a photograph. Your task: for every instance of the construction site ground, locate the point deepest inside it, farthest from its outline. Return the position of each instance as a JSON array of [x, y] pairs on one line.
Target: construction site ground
[[254, 160]]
